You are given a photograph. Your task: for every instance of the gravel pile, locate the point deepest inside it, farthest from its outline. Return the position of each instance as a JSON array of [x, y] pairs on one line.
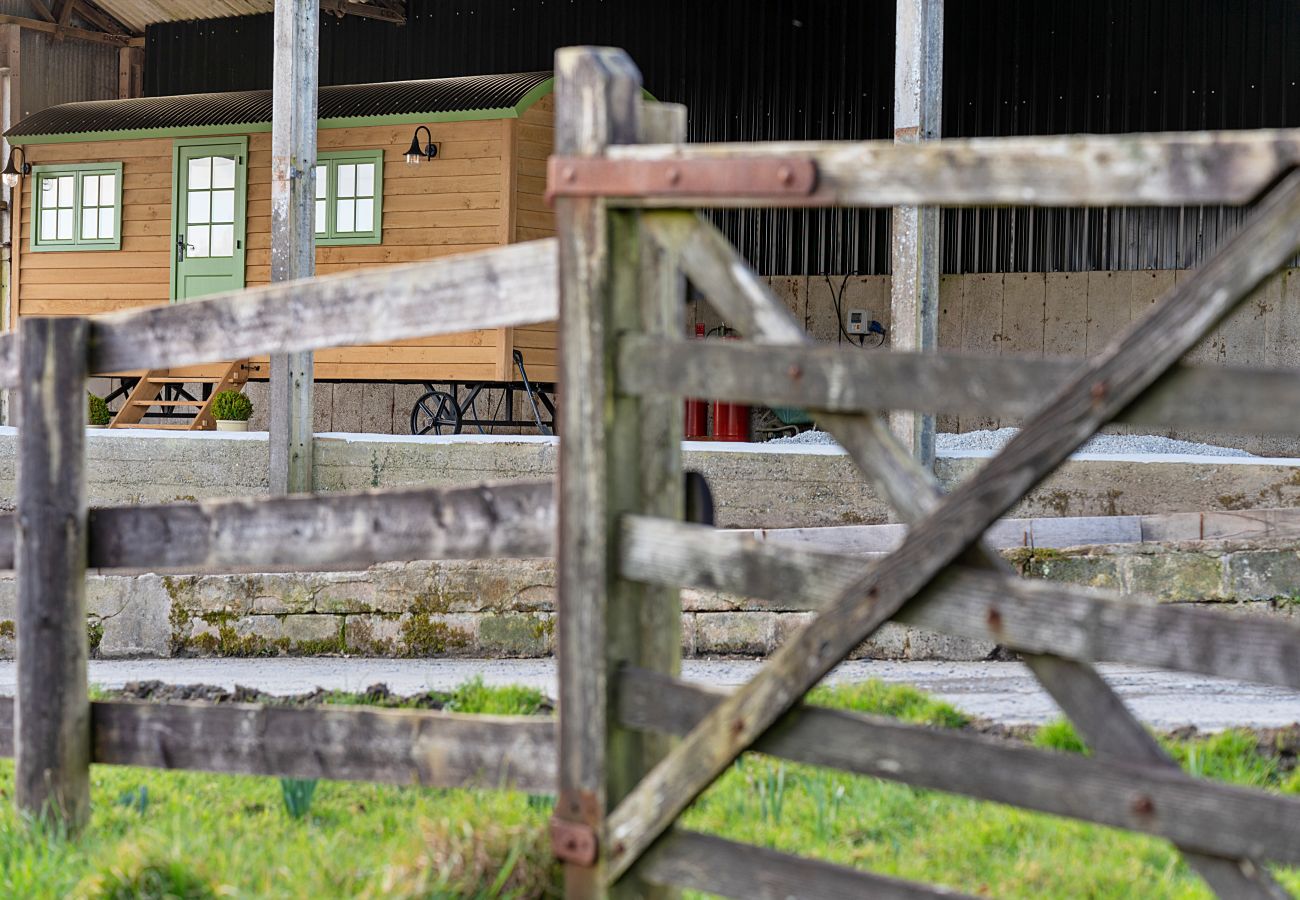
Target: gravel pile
[[1143, 444]]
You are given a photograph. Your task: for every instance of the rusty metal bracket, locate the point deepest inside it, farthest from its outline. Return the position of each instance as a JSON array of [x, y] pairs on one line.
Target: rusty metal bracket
[[573, 176], [573, 842]]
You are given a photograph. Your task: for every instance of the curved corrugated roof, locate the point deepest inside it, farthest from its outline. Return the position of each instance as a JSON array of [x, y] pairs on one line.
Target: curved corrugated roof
[[476, 93]]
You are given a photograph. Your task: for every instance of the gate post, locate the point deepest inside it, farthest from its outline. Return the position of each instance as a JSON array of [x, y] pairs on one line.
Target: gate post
[[618, 454], [52, 708]]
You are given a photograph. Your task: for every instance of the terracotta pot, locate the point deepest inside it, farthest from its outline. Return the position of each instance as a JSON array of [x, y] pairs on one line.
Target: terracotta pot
[[231, 425]]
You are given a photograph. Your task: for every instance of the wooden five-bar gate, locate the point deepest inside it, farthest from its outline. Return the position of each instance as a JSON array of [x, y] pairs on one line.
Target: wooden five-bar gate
[[636, 745]]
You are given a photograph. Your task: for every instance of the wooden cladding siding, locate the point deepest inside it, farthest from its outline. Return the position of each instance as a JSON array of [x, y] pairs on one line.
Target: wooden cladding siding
[[461, 202], [533, 219]]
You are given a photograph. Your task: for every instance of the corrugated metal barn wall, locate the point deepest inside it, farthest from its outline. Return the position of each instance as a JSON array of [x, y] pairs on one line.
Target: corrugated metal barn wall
[[776, 69]]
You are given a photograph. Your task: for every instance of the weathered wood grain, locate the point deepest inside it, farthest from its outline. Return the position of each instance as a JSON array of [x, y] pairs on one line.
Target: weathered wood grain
[[296, 67], [52, 713], [504, 286], [598, 103], [849, 381], [328, 531], [1068, 170], [1191, 311], [393, 746], [434, 749], [1080, 623], [1136, 796], [705, 862]]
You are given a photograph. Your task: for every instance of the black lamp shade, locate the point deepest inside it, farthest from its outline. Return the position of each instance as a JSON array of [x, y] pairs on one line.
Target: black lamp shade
[[413, 155]]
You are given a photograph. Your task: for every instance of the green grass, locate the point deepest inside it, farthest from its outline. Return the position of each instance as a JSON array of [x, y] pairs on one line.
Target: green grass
[[193, 835]]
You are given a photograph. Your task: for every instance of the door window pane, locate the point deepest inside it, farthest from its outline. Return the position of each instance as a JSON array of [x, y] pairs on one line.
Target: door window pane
[[223, 240], [223, 172], [223, 206], [198, 240], [199, 207], [200, 173]]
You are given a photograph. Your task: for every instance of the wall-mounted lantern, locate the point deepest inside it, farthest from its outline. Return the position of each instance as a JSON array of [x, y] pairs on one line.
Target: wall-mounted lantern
[[10, 173], [418, 154]]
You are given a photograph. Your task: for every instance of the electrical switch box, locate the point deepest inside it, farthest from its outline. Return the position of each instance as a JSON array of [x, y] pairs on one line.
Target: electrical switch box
[[859, 321]]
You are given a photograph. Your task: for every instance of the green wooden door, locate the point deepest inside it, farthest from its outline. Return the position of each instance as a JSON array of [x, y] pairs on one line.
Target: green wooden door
[[209, 187]]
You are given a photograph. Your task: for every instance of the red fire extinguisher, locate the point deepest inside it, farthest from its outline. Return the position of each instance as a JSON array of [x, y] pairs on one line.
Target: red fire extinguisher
[[730, 420], [697, 411]]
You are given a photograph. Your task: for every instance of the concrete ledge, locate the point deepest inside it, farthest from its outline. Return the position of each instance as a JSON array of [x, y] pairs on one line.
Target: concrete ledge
[[755, 485]]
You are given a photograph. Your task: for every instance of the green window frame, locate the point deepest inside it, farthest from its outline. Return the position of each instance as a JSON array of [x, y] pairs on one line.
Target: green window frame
[[77, 207], [350, 195]]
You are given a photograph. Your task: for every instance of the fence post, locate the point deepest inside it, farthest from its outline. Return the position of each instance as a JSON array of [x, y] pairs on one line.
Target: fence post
[[52, 712], [618, 454]]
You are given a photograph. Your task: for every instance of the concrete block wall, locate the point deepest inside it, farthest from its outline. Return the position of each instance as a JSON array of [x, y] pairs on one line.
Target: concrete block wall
[[1057, 314]]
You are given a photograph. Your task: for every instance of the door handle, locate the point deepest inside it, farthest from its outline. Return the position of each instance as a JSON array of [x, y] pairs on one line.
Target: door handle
[[180, 248]]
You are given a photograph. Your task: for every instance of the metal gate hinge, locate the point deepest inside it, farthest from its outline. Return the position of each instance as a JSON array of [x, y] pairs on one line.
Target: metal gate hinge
[[573, 842]]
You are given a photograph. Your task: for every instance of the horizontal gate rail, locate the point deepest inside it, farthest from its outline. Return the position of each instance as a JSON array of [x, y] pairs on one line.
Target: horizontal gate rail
[[1174, 169], [849, 381], [1074, 622], [393, 746], [705, 862], [497, 288], [1139, 797]]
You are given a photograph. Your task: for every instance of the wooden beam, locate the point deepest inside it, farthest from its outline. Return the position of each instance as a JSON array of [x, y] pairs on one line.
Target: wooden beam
[[1109, 383], [914, 237], [1031, 616], [42, 10], [329, 531], [293, 234], [1245, 822], [362, 10], [392, 746], [717, 866], [850, 381], [1170, 169], [96, 16], [52, 713], [72, 33]]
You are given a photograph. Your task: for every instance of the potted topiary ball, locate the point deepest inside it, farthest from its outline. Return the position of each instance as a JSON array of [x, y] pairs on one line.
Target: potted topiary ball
[[99, 413], [231, 409]]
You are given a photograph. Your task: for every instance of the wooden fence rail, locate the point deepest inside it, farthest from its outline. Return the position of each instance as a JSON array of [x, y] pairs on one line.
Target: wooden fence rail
[[613, 190]]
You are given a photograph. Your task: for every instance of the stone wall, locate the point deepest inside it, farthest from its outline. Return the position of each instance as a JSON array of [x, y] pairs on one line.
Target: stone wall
[[507, 607]]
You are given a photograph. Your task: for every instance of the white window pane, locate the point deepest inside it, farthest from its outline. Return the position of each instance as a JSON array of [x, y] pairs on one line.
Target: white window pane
[[107, 190], [199, 209], [89, 224], [365, 215], [197, 240], [223, 172], [321, 223], [345, 215], [65, 191], [223, 206], [366, 180], [65, 224], [49, 225], [347, 181], [223, 240], [90, 190], [106, 223], [200, 175], [49, 193], [322, 182]]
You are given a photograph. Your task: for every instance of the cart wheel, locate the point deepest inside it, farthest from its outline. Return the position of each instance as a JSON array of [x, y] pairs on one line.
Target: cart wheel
[[436, 412]]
